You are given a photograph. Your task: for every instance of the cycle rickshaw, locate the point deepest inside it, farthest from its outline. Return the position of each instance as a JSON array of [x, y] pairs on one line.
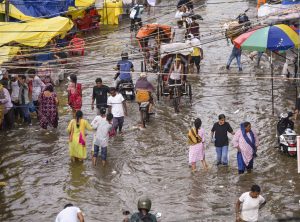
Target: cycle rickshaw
[[150, 37], [169, 52]]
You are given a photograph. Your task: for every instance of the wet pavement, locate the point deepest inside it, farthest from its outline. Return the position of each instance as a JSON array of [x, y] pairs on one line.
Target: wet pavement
[[41, 179]]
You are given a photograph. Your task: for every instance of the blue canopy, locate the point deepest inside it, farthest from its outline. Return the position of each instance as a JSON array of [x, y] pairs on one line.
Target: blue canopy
[[43, 8], [290, 2]]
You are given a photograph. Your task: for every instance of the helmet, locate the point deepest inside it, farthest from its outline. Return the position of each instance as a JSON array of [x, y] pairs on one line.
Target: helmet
[[144, 203], [190, 36], [124, 54]]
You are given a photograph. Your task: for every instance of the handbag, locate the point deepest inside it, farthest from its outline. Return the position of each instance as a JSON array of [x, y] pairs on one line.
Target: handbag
[[193, 137]]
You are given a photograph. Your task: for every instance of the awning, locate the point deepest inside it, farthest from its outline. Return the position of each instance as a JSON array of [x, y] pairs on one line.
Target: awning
[[36, 33], [176, 48], [7, 53]]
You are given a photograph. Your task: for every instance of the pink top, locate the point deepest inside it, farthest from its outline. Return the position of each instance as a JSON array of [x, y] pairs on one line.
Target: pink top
[[246, 150]]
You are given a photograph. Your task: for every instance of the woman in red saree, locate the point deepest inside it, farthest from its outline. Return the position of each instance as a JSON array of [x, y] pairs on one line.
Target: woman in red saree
[[74, 94]]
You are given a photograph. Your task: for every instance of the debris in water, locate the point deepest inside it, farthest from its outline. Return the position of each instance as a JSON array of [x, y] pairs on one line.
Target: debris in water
[[114, 172], [221, 186]]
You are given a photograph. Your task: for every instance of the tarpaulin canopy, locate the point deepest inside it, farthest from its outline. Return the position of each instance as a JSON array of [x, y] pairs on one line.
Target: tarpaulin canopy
[[176, 48], [7, 53], [22, 12], [147, 30], [290, 2], [111, 11], [43, 8], [80, 6], [15, 13], [36, 33]]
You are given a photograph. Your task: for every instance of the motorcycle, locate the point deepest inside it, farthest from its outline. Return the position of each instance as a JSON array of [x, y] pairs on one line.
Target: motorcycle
[[144, 109], [287, 137], [127, 90]]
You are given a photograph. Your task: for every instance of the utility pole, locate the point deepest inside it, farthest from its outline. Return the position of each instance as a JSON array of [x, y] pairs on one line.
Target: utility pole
[[6, 10]]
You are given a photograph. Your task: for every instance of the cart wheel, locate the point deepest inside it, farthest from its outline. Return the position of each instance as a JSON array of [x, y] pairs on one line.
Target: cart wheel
[[161, 90], [190, 94], [176, 104]]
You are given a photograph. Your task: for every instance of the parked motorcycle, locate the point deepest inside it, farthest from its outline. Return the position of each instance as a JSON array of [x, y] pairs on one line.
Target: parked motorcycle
[[287, 137]]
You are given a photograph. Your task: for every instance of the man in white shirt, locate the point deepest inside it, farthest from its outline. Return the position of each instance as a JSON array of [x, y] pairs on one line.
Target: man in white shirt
[[70, 213], [37, 87], [251, 202], [117, 106]]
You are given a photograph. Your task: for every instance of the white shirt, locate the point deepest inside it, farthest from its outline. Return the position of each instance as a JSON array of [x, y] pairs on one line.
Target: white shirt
[[37, 87], [250, 206], [175, 74], [15, 88], [116, 103], [68, 215], [102, 134]]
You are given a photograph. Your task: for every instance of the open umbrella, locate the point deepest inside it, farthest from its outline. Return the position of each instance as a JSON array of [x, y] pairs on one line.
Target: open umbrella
[[274, 38]]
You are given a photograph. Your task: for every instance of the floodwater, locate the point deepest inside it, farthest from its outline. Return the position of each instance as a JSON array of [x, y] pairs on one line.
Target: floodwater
[[154, 161]]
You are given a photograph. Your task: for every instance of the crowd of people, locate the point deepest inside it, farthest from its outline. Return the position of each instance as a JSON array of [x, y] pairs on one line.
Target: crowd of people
[[22, 96]]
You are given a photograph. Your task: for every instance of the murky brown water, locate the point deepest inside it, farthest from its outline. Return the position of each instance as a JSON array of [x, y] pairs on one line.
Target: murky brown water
[[154, 161]]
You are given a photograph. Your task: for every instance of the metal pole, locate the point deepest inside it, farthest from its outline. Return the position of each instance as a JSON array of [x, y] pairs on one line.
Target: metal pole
[[272, 82], [7, 11], [298, 153], [106, 12], [142, 66]]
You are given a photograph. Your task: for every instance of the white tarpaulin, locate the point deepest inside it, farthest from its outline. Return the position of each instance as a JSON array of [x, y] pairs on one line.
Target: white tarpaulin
[[174, 48], [151, 2], [277, 10]]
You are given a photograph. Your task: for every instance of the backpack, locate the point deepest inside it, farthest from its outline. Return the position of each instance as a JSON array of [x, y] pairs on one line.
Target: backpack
[[193, 137]]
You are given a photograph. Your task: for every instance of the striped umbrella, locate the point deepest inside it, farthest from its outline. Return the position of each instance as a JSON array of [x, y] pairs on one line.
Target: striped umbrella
[[274, 38]]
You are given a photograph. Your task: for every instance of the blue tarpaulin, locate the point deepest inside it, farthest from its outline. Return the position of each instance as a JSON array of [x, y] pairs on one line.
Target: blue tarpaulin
[[43, 8], [290, 2]]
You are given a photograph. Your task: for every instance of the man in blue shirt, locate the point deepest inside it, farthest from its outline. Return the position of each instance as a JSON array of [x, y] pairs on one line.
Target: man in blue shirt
[[124, 68]]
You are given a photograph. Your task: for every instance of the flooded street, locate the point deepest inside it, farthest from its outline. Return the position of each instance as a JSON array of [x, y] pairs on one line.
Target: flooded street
[[41, 178]]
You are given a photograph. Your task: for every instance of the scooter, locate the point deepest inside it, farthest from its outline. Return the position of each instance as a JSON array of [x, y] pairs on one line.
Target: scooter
[[127, 90], [287, 137]]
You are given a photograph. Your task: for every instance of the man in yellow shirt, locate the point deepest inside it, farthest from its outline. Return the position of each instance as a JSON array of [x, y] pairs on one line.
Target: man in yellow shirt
[[196, 55]]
